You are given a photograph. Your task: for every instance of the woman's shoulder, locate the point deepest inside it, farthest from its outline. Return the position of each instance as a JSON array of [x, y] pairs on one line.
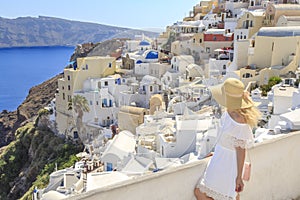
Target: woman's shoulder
[[236, 117]]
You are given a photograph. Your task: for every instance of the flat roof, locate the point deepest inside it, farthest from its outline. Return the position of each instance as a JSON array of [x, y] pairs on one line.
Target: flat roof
[[286, 31]]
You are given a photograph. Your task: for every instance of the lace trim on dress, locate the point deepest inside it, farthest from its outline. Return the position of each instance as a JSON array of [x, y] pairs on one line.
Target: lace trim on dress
[[213, 194], [245, 144], [239, 143]]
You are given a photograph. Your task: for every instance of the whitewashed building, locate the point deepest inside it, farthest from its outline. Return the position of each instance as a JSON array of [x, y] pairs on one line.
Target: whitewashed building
[[182, 141], [170, 79], [180, 63], [282, 100], [121, 146]]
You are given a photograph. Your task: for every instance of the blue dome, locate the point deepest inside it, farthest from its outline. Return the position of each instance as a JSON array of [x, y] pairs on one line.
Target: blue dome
[[144, 43], [139, 62], [152, 55]]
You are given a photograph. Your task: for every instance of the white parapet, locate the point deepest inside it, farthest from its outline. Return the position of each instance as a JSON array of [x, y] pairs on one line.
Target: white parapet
[[275, 175]]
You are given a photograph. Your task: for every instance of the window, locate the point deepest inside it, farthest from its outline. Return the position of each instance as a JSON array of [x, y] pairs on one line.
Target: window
[[91, 102], [86, 67], [64, 96], [207, 49], [106, 83], [69, 78], [75, 134], [151, 88], [109, 65], [69, 98], [69, 87], [244, 36], [104, 102], [237, 37], [97, 103], [109, 167], [214, 38], [194, 40], [200, 40], [224, 66], [63, 87], [247, 75]]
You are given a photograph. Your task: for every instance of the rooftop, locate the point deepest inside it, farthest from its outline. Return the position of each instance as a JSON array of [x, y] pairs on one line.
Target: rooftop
[[286, 31]]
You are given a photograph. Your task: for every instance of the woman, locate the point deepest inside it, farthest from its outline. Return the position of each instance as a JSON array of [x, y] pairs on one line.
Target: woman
[[223, 176]]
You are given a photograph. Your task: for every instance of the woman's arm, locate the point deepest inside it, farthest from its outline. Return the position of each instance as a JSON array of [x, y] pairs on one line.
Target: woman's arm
[[240, 155]]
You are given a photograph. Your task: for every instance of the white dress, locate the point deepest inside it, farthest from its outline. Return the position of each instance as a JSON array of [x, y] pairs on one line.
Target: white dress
[[218, 180]]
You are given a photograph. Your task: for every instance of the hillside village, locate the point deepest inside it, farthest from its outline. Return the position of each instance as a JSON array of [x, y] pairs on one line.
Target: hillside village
[[147, 107]]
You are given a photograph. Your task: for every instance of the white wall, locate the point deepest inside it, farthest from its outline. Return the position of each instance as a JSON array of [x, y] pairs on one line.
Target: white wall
[[141, 69], [275, 175]]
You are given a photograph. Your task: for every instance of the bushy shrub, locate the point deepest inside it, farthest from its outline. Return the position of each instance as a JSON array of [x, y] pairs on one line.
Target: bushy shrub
[[272, 81]]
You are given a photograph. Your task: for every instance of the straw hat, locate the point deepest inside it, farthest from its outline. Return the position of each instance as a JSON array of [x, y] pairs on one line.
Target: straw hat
[[231, 94]]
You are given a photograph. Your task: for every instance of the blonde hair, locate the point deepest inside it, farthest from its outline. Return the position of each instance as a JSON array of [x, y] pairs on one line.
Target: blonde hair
[[251, 115]]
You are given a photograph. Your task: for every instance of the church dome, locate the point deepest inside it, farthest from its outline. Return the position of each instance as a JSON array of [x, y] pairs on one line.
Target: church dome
[[144, 43], [152, 55]]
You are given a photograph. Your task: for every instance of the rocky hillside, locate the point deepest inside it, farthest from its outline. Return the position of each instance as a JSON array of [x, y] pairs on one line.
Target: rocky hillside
[[38, 97], [49, 31], [28, 160]]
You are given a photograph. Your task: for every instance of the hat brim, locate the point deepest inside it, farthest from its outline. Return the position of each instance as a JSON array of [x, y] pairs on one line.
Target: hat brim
[[218, 93]]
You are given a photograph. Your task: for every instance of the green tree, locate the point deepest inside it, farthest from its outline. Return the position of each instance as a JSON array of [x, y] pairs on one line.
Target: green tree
[[272, 81], [42, 118], [80, 105]]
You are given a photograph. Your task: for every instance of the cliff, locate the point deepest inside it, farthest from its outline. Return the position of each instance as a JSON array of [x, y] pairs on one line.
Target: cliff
[[50, 31], [38, 97]]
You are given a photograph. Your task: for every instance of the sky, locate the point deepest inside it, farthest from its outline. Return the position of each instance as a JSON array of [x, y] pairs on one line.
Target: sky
[[123, 13]]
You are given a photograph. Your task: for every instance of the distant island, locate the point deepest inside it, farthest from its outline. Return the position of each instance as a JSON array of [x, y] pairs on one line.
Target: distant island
[[50, 31]]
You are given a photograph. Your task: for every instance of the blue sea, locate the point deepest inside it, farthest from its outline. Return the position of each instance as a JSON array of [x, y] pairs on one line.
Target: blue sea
[[24, 67]]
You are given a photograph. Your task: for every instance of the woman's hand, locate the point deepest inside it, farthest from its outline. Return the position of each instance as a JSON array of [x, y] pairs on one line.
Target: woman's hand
[[239, 184]]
